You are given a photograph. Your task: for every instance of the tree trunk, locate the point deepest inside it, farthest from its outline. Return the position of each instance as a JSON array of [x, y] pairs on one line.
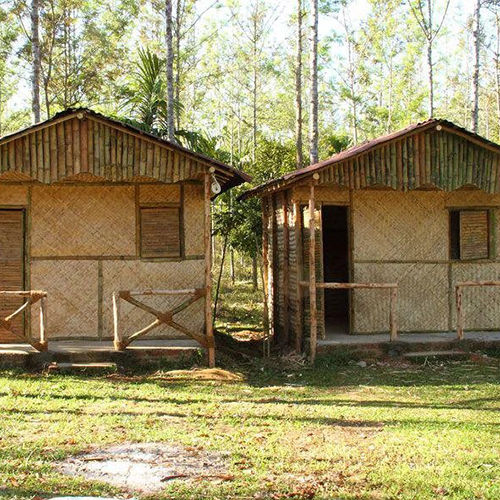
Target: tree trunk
[[313, 127], [254, 88], [231, 267], [178, 24], [254, 273], [36, 60], [476, 35], [430, 39], [497, 74], [298, 88], [170, 72]]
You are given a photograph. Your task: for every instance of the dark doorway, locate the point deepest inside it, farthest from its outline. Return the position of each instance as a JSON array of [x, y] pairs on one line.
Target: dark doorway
[[336, 267]]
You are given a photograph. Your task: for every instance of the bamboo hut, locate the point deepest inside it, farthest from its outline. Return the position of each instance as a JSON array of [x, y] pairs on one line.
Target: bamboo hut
[[109, 228], [388, 236]]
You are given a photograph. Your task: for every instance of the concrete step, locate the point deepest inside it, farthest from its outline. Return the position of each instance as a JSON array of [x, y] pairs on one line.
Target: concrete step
[[90, 367], [422, 356]]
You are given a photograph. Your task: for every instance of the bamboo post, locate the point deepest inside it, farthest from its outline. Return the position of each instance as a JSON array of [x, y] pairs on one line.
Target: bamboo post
[[460, 314], [298, 270], [43, 324], [312, 271], [117, 338], [208, 272], [265, 270], [393, 314]]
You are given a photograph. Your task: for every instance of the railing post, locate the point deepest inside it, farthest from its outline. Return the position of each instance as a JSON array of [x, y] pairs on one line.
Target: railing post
[[393, 313], [460, 314], [43, 324], [117, 338]]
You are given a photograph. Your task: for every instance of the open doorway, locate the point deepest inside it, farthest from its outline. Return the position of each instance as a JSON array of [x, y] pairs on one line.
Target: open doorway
[[336, 267]]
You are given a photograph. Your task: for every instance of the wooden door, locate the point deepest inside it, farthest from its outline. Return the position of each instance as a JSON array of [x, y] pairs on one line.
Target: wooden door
[[11, 269]]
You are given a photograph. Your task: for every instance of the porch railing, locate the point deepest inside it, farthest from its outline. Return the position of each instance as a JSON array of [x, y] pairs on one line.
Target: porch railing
[[162, 317], [393, 297], [459, 301], [32, 297]]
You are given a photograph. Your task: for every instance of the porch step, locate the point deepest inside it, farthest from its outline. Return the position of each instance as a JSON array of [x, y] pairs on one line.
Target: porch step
[[422, 356], [105, 366]]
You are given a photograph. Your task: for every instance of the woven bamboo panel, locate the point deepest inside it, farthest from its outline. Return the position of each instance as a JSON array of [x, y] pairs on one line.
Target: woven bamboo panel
[[422, 297], [480, 304], [471, 198], [325, 194], [138, 275], [13, 195], [293, 276], [280, 264], [83, 220], [72, 288], [399, 226], [193, 219], [162, 193]]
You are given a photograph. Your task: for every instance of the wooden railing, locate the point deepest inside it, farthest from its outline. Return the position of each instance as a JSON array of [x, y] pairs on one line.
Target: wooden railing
[[393, 287], [166, 317], [32, 296], [459, 301]]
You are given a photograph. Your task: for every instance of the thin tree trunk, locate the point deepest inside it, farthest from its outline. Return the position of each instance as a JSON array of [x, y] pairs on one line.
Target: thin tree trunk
[[298, 88], [313, 128], [178, 24], [36, 60], [255, 284], [476, 35], [170, 71], [254, 89], [497, 74], [430, 62]]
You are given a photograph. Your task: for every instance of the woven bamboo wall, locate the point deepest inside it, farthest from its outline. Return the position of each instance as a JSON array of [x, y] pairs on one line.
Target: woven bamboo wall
[[83, 247], [395, 226], [83, 221], [13, 195], [422, 298], [72, 287], [480, 305], [193, 219], [323, 194], [137, 275]]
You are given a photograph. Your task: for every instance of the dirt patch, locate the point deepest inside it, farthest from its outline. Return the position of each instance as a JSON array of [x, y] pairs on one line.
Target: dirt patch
[[202, 374], [146, 467]]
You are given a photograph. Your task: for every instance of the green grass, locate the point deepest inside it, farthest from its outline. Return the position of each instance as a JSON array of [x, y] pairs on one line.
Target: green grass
[[339, 431]]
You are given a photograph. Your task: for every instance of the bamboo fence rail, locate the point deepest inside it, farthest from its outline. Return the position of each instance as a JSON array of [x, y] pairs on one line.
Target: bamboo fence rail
[[32, 297]]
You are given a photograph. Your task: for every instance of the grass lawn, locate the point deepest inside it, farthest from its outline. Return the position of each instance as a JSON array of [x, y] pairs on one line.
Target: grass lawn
[[340, 431]]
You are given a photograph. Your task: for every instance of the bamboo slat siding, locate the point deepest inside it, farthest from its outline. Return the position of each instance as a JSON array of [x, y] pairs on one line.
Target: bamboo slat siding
[[87, 148], [427, 159]]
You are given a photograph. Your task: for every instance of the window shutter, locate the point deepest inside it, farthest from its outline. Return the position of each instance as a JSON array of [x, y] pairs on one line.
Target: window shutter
[[160, 232], [474, 233]]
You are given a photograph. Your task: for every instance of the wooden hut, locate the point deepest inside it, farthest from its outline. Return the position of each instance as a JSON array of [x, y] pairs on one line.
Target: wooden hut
[[378, 237], [96, 214]]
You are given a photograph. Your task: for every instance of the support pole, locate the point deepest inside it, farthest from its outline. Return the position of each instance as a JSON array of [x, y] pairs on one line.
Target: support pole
[[393, 314], [117, 337], [43, 324], [208, 272], [312, 271], [460, 314], [299, 272], [265, 272]]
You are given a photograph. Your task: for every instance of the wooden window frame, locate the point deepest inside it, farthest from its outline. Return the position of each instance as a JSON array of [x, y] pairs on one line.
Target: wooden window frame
[[165, 257], [491, 233]]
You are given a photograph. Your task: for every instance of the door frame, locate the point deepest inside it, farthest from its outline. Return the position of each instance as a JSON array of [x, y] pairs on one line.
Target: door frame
[[350, 269]]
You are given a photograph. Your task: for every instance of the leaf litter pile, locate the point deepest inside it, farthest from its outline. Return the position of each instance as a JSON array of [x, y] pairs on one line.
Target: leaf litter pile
[[146, 467]]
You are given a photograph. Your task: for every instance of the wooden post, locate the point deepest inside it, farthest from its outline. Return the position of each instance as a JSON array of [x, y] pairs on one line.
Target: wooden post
[[208, 272], [393, 314], [312, 271], [43, 324], [117, 337], [460, 314], [298, 253], [265, 270]]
